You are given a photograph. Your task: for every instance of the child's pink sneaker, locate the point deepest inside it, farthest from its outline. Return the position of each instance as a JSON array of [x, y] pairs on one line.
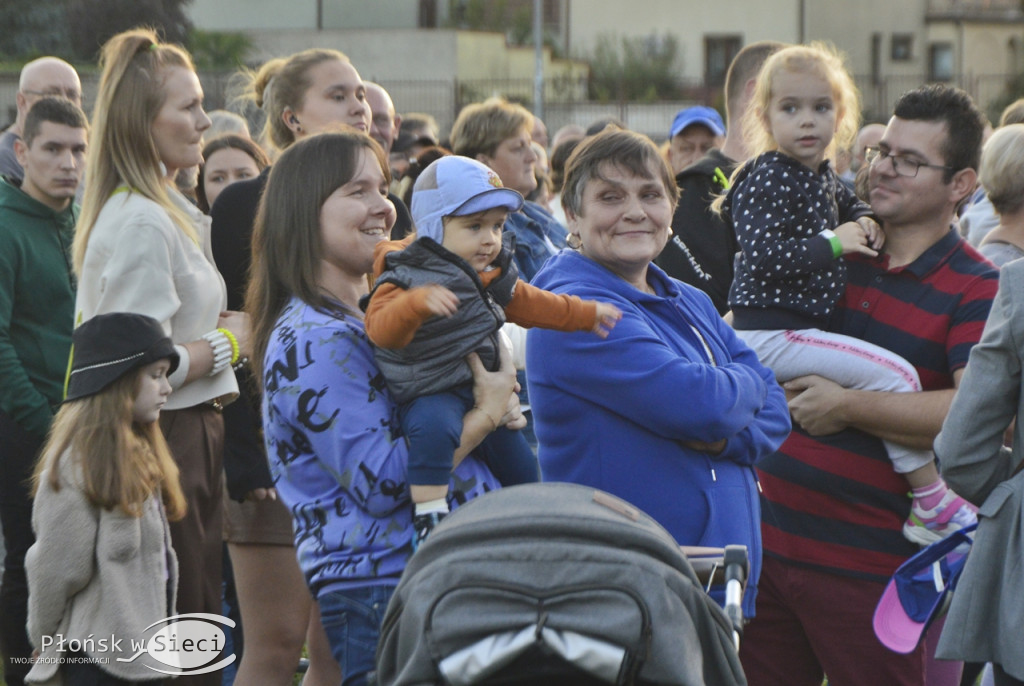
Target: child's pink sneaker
[[925, 527]]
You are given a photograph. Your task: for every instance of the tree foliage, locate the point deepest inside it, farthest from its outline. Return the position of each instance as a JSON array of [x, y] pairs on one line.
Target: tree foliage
[[218, 49], [643, 69], [75, 29], [1014, 90], [92, 22], [32, 28]]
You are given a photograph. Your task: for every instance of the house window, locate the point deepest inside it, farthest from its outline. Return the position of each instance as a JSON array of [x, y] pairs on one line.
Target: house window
[[428, 14], [718, 54], [902, 48], [940, 62]]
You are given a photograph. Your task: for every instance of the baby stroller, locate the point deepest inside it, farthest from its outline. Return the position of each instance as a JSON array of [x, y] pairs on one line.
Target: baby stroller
[[555, 583]]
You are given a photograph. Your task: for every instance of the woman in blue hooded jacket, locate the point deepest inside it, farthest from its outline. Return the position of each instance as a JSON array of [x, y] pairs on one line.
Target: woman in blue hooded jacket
[[672, 410]]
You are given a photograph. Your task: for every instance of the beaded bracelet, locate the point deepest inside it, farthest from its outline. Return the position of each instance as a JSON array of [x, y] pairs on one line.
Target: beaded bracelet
[[221, 347], [234, 345]]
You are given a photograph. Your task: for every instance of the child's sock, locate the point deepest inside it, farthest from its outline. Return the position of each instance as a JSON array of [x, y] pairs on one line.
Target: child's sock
[[931, 495], [937, 512], [425, 517], [439, 505]]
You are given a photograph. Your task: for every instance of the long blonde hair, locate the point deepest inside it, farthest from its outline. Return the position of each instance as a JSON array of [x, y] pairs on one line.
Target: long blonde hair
[[821, 60], [280, 84], [122, 151], [121, 462]]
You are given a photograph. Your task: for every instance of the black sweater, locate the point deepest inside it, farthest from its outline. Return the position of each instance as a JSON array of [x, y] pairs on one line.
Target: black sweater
[[786, 276], [703, 246]]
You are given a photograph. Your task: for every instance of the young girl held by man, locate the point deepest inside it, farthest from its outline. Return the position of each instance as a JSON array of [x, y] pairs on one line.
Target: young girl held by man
[[102, 565], [795, 220]]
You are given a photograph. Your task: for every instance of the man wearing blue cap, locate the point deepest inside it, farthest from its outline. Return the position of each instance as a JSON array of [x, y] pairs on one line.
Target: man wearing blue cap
[[695, 131], [702, 246]]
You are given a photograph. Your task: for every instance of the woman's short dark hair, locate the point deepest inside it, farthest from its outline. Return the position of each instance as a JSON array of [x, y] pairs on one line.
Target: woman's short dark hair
[[223, 142], [559, 156], [482, 126], [627, 150]]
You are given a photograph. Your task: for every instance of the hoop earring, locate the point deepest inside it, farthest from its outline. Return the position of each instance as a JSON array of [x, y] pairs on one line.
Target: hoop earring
[[574, 241]]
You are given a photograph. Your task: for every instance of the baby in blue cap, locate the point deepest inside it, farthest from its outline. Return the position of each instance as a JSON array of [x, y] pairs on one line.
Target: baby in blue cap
[[443, 294]]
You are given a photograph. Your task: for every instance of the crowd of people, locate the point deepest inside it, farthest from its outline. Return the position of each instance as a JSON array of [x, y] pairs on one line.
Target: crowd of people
[[306, 347]]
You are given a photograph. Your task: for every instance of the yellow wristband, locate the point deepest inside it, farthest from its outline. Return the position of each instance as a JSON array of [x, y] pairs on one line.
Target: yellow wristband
[[234, 345]]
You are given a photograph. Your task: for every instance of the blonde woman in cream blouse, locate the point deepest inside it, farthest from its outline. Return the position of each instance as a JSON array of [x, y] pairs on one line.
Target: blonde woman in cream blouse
[[141, 247]]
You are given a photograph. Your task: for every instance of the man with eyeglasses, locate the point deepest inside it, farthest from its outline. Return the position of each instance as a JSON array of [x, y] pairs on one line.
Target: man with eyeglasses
[[832, 506], [46, 76]]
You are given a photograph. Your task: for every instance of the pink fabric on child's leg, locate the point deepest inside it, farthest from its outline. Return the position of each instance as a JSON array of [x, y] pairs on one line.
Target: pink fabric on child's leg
[[931, 495]]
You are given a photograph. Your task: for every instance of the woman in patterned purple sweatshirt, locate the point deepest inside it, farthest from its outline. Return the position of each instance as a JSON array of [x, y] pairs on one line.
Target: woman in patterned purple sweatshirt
[[331, 428]]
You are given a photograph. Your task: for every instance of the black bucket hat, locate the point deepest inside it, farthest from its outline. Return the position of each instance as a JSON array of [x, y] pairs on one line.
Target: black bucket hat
[[108, 346]]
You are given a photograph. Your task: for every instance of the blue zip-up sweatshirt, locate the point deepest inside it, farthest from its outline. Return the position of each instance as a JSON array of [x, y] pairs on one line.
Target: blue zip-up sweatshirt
[[336, 453], [615, 413]]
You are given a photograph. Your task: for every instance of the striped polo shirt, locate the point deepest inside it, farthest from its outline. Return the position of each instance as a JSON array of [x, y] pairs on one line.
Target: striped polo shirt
[[834, 502]]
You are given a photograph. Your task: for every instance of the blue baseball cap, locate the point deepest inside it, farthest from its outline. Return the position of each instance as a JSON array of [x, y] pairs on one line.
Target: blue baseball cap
[[698, 114], [919, 591], [456, 185]]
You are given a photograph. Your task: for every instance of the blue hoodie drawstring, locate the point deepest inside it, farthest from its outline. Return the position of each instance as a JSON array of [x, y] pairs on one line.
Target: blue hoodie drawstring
[[711, 467]]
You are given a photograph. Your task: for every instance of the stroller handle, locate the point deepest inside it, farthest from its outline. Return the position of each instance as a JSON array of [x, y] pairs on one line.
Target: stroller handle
[[737, 566]]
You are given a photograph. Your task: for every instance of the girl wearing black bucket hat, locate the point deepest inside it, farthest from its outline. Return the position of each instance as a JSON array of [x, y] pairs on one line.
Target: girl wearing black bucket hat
[[105, 488]]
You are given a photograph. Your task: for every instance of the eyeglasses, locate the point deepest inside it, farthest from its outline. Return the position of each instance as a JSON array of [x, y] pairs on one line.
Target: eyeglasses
[[901, 164], [70, 94]]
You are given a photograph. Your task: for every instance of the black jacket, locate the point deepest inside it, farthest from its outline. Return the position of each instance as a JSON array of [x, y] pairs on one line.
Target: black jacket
[[435, 359], [787, 276], [701, 249]]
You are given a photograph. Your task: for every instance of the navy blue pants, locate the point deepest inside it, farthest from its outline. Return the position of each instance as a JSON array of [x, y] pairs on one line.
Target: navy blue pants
[[18, 453], [433, 426]]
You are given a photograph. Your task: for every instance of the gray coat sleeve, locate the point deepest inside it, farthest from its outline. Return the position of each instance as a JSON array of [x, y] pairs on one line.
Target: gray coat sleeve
[[970, 447], [61, 562]]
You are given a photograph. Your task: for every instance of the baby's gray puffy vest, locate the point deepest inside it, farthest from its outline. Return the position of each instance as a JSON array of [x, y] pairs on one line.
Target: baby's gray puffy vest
[[435, 360]]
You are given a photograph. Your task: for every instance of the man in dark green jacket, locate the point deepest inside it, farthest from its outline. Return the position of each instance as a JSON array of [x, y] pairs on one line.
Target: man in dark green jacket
[[37, 301]]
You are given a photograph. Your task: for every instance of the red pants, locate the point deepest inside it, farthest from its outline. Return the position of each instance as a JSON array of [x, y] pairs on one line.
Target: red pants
[[812, 623]]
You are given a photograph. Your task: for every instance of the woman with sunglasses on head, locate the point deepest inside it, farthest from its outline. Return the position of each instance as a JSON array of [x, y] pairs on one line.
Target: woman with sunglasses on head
[[141, 247]]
